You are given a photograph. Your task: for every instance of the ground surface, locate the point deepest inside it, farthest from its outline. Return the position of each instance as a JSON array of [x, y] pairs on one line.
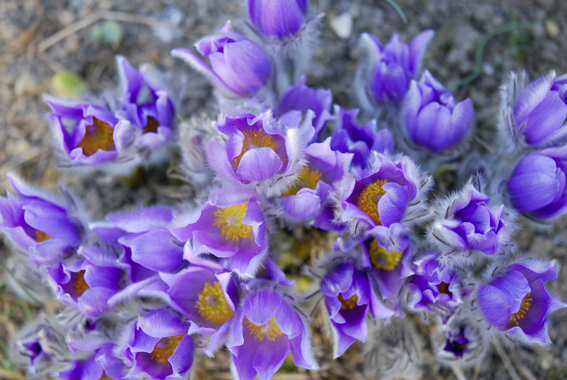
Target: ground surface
[[26, 68]]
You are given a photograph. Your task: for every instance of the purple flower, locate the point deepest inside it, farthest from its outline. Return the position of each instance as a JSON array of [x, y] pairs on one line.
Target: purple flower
[[239, 68], [88, 134], [456, 342], [146, 104], [537, 185], [264, 330], [87, 283], [432, 118], [431, 289], [517, 302], [349, 296], [384, 200], [466, 223], [100, 366], [464, 342], [40, 224], [299, 97], [230, 226], [157, 346], [306, 198], [278, 18], [538, 112], [388, 70], [144, 235], [349, 137], [260, 153]]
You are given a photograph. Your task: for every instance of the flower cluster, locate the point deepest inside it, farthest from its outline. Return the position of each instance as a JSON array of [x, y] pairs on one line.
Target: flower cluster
[[146, 289]]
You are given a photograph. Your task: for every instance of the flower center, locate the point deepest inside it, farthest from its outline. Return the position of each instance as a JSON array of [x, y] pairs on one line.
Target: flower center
[[524, 307], [97, 136], [78, 282], [229, 221], [349, 303], [369, 197], [307, 179], [382, 259], [268, 330], [151, 126], [212, 304], [105, 376], [165, 347], [253, 140], [444, 288], [41, 236]]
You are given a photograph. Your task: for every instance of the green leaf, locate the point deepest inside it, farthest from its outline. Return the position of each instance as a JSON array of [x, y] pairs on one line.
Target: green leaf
[[68, 85], [111, 33]]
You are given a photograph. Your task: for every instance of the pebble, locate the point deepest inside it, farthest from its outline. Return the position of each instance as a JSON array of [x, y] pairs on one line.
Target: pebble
[[551, 28], [26, 84], [342, 25]]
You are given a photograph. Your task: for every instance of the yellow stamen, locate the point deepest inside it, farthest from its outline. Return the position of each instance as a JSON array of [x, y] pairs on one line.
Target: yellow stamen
[[382, 259], [229, 221], [307, 179], [41, 236], [151, 126], [268, 330], [165, 347], [105, 376], [369, 197], [524, 307], [212, 304], [78, 282], [97, 136], [254, 139], [349, 303]]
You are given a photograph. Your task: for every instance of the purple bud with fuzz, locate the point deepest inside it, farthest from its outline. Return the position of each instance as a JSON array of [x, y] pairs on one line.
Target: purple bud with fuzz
[[278, 18]]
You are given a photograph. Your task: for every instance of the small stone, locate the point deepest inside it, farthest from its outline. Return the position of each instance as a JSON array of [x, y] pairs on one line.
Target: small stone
[[551, 28], [342, 25], [26, 83], [66, 17]]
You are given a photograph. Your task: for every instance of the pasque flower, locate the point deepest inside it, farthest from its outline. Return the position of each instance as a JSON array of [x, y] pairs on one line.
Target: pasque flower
[[102, 365], [239, 68], [537, 185], [47, 228], [431, 117], [388, 69], [264, 330], [278, 18], [517, 302]]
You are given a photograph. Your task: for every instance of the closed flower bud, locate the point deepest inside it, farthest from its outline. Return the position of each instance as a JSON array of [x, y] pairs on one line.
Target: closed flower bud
[[278, 18]]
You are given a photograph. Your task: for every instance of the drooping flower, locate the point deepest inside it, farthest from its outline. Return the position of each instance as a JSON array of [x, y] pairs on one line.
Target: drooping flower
[[231, 227], [103, 365], [146, 104], [463, 340], [465, 224], [278, 18], [431, 117], [239, 68], [349, 137], [88, 134], [47, 228], [264, 330], [260, 153], [349, 296], [300, 97], [157, 346], [385, 75], [306, 198], [537, 185], [517, 303]]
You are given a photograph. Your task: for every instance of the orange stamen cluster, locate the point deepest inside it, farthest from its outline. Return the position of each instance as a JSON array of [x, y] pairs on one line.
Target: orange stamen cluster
[[212, 304], [524, 307], [229, 221], [349, 303], [269, 330], [78, 282], [254, 139], [165, 348], [383, 259], [97, 136], [368, 200], [151, 126], [307, 179], [41, 236]]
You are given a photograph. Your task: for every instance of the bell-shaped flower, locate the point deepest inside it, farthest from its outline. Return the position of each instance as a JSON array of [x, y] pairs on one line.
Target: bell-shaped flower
[[300, 97], [87, 134], [47, 228], [537, 186], [264, 330], [260, 153], [278, 18], [385, 75], [466, 224], [230, 226], [156, 346], [431, 117], [306, 199], [239, 68], [349, 296], [146, 104], [349, 137], [463, 341], [517, 303]]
